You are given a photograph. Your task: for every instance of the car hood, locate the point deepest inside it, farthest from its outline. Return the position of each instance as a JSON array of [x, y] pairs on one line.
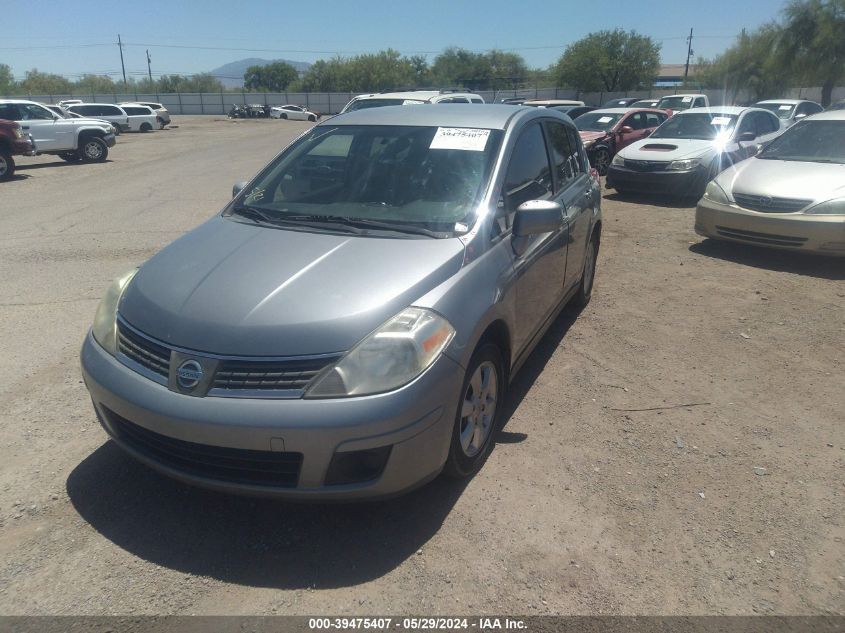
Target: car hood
[[659, 149], [240, 289], [78, 122], [590, 135], [785, 179]]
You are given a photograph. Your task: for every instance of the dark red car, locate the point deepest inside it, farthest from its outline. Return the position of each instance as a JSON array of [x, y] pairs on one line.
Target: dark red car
[[604, 132], [12, 142]]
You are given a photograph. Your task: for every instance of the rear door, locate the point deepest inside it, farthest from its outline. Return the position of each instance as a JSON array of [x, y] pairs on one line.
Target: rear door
[[574, 190]]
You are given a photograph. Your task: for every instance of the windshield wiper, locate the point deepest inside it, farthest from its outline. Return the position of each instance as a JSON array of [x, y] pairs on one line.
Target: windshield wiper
[[254, 213], [310, 221], [400, 227]]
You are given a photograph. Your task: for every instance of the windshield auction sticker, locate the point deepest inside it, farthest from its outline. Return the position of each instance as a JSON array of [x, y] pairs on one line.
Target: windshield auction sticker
[[465, 138]]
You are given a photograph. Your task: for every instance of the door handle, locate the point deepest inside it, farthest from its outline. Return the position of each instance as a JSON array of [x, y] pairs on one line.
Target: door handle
[[24, 127]]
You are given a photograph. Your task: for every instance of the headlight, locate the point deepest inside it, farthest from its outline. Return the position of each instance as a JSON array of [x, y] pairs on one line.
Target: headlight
[[392, 356], [683, 165], [105, 321], [715, 193], [618, 161], [831, 207]]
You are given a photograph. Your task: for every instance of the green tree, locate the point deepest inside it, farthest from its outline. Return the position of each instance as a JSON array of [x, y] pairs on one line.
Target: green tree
[[39, 83], [8, 85], [813, 43], [494, 70], [96, 84], [385, 70], [750, 65], [275, 77], [609, 61]]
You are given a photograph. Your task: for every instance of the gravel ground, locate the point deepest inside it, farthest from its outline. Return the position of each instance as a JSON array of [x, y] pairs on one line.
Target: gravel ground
[[676, 448]]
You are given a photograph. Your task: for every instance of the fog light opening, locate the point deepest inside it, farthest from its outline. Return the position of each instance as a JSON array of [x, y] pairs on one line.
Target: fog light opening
[[355, 467]]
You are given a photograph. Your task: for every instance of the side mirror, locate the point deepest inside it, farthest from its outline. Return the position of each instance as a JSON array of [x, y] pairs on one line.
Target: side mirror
[[626, 129], [746, 136], [238, 187], [537, 216], [798, 117]]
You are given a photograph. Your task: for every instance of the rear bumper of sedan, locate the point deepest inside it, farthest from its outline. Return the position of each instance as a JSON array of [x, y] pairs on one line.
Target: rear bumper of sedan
[[329, 449], [675, 183], [824, 234]]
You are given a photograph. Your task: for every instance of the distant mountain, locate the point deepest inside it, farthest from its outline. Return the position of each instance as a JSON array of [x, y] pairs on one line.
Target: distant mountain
[[231, 75]]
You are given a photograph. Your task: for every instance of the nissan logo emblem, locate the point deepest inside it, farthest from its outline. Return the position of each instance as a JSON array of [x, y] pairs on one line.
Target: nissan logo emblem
[[189, 374]]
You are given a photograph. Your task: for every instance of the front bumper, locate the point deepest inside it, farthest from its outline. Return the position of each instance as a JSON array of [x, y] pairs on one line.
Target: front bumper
[[823, 234], [676, 183], [415, 421], [110, 140]]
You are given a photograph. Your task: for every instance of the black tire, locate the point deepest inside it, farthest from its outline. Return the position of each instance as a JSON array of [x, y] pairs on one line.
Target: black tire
[[312, 118], [284, 116], [93, 149], [601, 160], [69, 157], [588, 276], [7, 165], [146, 127], [468, 451]]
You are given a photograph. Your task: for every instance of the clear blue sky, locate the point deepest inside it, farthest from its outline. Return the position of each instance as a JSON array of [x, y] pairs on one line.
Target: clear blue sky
[[307, 31]]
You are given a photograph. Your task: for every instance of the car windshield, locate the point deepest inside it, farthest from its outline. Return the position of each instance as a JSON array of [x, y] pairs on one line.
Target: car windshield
[[697, 125], [396, 178], [596, 121], [809, 141], [675, 103], [362, 104], [782, 110]]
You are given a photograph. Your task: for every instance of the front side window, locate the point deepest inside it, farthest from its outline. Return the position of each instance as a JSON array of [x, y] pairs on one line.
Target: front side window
[[564, 155], [529, 175], [395, 176], [30, 112]]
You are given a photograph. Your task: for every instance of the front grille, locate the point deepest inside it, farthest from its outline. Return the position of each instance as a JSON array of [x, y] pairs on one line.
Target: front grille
[[761, 238], [646, 165], [235, 465], [269, 375], [768, 204], [143, 351]]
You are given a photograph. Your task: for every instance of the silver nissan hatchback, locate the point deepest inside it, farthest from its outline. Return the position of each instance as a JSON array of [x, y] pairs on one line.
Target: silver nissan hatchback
[[348, 325]]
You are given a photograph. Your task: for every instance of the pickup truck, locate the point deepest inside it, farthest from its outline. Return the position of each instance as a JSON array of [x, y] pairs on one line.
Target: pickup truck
[[87, 140], [676, 103], [12, 142]]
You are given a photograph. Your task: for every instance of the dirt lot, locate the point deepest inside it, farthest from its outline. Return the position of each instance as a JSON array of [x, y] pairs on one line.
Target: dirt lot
[[678, 448]]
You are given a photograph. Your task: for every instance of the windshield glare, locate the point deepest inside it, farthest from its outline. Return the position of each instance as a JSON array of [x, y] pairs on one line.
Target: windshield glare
[[596, 121], [809, 141], [699, 125], [427, 177], [782, 110], [363, 104]]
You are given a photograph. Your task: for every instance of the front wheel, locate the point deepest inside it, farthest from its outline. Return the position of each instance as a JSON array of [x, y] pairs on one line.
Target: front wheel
[[93, 150], [7, 166], [601, 160], [478, 413], [284, 116], [312, 118], [146, 127]]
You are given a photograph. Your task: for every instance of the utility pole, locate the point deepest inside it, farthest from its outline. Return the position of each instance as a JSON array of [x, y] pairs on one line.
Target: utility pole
[[149, 69], [120, 46], [689, 54]]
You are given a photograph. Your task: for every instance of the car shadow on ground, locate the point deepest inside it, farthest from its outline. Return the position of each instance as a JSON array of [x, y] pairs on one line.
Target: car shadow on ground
[[795, 262], [654, 200], [265, 542], [55, 163]]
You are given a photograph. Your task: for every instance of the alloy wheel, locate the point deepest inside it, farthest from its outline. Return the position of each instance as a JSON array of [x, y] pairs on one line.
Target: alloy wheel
[[478, 410], [93, 150]]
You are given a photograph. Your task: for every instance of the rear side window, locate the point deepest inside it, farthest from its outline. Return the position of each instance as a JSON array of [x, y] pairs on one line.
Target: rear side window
[[9, 111], [476, 100], [699, 102], [653, 119], [529, 174], [107, 110], [563, 155], [136, 111], [82, 109]]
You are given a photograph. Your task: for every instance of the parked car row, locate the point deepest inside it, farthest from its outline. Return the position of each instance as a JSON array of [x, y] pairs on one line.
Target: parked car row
[[72, 130]]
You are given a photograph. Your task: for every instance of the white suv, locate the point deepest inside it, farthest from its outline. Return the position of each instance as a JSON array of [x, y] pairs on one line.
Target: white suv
[[104, 111], [71, 139], [161, 112], [141, 118], [413, 97]]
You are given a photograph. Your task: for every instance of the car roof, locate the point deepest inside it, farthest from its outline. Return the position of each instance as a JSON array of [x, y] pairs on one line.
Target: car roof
[[618, 110], [497, 116], [792, 101], [417, 95], [93, 103], [828, 115], [684, 94], [572, 102], [737, 110]]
